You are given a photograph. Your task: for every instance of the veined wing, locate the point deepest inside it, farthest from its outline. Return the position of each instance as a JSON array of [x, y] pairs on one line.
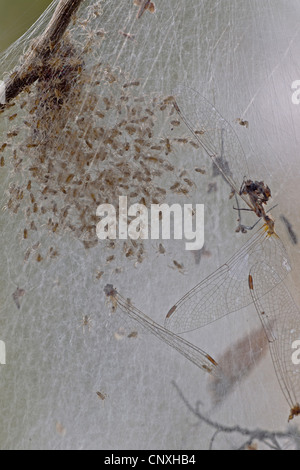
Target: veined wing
[[196, 355], [214, 134], [227, 290], [280, 317]]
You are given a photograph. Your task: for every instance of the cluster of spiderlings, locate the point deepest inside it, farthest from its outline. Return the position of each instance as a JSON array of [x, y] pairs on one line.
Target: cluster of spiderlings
[[86, 134]]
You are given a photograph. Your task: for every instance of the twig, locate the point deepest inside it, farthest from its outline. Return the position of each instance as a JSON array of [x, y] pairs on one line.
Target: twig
[[29, 71], [251, 435]]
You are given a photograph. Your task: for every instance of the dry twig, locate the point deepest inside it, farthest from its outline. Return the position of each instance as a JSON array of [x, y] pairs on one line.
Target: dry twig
[[31, 68], [270, 439]]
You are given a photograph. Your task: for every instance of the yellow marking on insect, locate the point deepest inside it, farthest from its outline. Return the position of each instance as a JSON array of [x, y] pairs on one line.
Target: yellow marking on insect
[[270, 230], [295, 411]]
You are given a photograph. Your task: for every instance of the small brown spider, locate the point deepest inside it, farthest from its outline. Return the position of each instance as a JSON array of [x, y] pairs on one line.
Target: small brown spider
[[86, 322], [179, 267], [160, 249]]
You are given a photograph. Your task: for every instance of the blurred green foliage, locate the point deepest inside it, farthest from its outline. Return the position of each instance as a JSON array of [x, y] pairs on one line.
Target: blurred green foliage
[[16, 16]]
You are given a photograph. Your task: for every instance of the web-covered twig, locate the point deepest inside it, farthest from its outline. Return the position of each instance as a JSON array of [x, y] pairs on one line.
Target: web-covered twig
[[271, 439], [30, 69]]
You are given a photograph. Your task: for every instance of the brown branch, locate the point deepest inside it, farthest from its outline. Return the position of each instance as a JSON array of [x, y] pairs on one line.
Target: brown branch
[[29, 71], [269, 438]]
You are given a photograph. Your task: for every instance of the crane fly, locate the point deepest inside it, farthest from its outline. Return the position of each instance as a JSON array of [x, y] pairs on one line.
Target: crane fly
[[280, 318], [255, 274], [227, 289], [216, 136], [194, 354]]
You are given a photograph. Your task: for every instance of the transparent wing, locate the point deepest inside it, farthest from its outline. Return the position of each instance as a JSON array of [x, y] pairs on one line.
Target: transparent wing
[[196, 355], [227, 290], [280, 317], [214, 134]]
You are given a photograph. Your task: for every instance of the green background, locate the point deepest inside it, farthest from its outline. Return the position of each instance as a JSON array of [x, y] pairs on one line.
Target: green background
[[16, 16]]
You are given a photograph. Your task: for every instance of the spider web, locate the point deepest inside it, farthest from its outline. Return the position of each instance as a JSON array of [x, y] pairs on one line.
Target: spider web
[[69, 143]]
